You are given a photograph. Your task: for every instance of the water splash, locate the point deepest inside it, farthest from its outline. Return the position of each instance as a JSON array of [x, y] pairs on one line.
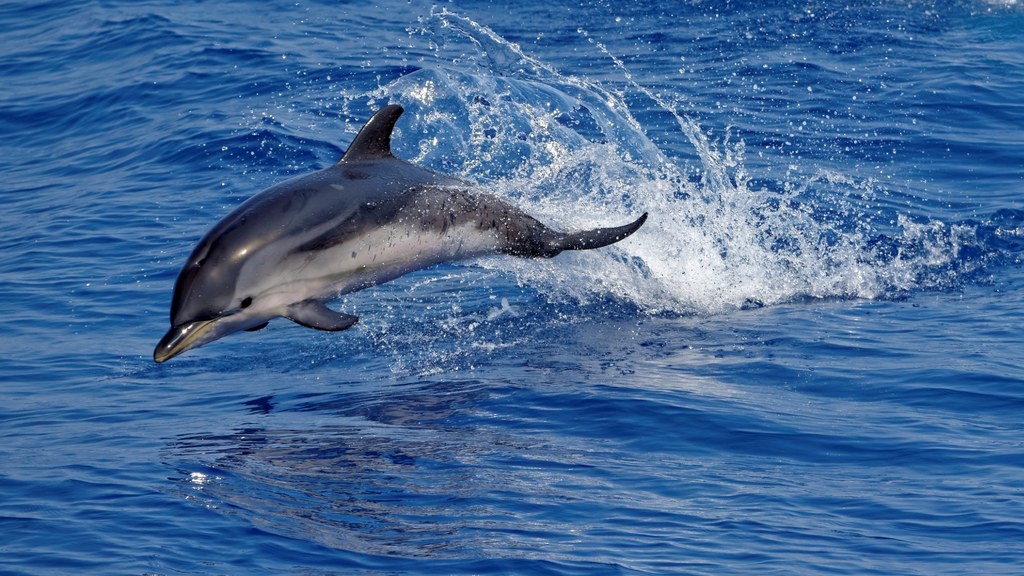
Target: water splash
[[718, 238]]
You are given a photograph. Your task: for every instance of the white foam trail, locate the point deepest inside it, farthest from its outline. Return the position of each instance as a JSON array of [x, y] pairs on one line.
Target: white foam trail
[[570, 151]]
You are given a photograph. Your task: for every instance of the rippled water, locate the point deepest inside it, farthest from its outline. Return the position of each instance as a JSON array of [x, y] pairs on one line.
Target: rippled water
[[807, 362]]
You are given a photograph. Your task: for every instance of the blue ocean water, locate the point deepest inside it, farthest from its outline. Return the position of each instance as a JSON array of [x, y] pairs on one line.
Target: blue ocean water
[[807, 362]]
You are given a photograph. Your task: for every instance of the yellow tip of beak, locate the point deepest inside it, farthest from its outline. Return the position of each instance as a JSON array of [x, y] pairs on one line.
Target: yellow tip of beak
[[180, 339]]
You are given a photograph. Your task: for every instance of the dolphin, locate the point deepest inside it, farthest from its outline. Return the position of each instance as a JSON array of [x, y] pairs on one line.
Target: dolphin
[[366, 220]]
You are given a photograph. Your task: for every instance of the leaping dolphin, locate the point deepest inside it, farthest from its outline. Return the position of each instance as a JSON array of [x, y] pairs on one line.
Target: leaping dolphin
[[368, 219]]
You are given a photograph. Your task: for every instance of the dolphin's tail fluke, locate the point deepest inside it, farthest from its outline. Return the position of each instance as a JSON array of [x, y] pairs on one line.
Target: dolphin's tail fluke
[[596, 238]]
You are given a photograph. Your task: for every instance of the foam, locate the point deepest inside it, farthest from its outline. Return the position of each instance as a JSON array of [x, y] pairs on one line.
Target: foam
[[571, 152]]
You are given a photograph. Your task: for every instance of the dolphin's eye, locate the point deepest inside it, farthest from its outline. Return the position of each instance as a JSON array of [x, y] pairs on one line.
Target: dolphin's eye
[[247, 302]]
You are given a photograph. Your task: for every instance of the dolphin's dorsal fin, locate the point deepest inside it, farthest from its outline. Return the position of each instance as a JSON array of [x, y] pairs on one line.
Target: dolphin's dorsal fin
[[374, 141]]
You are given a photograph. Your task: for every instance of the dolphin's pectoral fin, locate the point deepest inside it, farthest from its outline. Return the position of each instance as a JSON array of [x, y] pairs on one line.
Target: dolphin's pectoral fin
[[591, 239], [257, 327], [316, 314]]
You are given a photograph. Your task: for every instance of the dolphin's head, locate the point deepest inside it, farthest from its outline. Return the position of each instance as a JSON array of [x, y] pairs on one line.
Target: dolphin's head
[[223, 287], [210, 301]]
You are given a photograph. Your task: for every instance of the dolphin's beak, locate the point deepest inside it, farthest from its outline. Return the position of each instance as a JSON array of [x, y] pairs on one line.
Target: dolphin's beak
[[181, 338]]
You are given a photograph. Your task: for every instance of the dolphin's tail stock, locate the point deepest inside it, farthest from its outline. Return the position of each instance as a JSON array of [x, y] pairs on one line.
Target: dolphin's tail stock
[[596, 238]]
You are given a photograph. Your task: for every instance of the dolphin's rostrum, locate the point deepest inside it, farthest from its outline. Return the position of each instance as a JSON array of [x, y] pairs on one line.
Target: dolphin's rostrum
[[368, 219]]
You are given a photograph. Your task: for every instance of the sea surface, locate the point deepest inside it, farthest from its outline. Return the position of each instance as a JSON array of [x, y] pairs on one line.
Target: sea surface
[[810, 360]]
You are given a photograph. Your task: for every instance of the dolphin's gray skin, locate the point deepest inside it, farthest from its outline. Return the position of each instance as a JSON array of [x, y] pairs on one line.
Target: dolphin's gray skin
[[368, 219]]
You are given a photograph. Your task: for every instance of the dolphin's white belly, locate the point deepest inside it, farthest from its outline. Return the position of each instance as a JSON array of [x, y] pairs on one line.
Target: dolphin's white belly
[[375, 256]]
